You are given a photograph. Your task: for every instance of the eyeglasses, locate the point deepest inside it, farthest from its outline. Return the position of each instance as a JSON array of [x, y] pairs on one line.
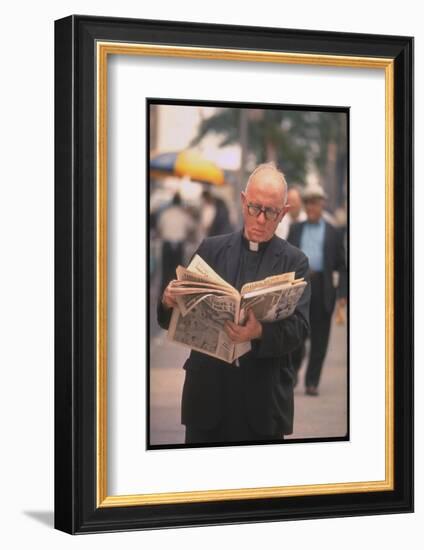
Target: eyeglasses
[[271, 214]]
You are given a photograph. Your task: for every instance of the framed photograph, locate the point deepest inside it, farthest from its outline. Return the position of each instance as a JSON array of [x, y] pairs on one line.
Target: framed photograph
[[182, 151], [203, 201]]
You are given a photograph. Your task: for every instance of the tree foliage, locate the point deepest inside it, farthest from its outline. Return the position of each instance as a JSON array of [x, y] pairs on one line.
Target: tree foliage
[[297, 141]]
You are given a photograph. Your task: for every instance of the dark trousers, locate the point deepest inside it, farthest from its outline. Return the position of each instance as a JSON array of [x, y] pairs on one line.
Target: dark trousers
[[320, 323], [234, 426]]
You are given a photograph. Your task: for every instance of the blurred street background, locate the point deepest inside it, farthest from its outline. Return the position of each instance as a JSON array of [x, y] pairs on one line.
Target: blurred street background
[[200, 158]]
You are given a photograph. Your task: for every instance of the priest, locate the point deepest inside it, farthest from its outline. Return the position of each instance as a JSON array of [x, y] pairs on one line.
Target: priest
[[250, 400]]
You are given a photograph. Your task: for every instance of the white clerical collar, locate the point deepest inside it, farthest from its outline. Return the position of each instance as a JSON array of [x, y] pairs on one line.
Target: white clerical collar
[[252, 246]]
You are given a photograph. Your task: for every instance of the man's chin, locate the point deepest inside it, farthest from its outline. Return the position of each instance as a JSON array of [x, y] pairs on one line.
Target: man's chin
[[257, 236]]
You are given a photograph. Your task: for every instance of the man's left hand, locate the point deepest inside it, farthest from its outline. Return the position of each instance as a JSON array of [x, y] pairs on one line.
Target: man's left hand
[[252, 330]]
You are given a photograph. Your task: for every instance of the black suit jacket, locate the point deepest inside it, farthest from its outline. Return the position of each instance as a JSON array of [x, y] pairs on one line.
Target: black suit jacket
[[266, 371], [334, 261]]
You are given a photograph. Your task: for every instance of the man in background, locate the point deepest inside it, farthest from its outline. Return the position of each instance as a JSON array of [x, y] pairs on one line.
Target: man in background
[[174, 226], [322, 243], [295, 214], [215, 216]]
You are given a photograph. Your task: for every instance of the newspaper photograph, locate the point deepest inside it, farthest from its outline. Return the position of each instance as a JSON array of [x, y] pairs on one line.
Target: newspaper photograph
[[274, 305], [202, 328]]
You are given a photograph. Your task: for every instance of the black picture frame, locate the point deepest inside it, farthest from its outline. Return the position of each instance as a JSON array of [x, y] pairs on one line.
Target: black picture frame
[[78, 507]]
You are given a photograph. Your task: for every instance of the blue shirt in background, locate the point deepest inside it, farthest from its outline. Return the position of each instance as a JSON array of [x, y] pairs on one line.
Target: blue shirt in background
[[312, 244]]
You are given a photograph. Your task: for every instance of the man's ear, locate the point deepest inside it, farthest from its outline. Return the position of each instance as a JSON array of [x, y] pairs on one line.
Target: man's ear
[[284, 211]]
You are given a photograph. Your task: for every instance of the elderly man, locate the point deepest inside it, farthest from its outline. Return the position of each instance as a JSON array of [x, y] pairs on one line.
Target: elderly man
[[323, 245], [296, 213], [252, 399]]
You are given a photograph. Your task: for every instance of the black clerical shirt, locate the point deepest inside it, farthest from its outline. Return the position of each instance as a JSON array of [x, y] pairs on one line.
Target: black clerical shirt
[[250, 261]]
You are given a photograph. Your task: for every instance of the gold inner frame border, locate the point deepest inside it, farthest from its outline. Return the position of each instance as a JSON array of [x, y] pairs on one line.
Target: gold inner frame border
[[103, 50]]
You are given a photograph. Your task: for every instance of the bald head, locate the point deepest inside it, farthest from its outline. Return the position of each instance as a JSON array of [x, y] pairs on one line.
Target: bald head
[[294, 199], [267, 175], [264, 202]]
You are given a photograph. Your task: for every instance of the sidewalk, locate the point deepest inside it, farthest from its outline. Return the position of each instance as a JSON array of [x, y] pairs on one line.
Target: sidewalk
[[322, 416], [325, 415]]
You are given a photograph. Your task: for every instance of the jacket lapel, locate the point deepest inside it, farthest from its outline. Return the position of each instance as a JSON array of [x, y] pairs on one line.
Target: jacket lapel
[[232, 258], [270, 260]]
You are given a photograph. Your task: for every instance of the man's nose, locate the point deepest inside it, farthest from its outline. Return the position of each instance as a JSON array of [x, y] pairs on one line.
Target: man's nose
[[261, 218]]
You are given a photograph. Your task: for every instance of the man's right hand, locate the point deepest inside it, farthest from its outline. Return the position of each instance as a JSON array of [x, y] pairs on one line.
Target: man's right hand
[[168, 298]]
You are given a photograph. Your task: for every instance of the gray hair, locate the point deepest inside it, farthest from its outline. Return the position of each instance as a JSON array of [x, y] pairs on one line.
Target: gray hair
[[272, 167]]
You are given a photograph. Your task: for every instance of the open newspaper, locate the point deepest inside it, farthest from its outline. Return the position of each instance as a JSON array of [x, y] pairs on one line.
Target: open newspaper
[[206, 301]]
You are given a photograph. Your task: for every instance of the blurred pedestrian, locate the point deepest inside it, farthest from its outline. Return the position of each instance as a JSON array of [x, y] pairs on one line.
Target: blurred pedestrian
[[174, 226], [322, 243], [215, 215], [294, 215]]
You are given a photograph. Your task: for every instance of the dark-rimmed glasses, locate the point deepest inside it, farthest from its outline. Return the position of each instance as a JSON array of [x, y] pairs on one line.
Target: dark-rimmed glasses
[[271, 214]]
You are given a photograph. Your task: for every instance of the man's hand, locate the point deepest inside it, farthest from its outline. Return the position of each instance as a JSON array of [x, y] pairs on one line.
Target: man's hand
[[168, 298], [252, 330]]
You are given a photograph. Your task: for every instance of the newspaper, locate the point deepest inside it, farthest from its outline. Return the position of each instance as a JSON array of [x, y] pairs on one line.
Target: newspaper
[[202, 327], [274, 305], [206, 302]]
